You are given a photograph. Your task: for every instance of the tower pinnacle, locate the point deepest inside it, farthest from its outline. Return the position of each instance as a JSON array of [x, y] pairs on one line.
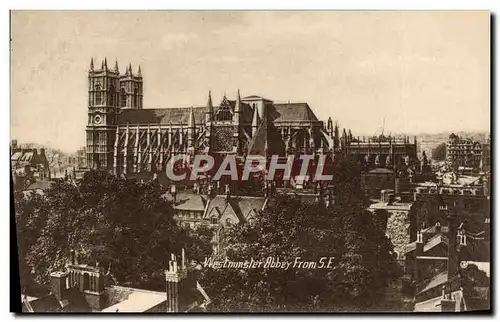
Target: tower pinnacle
[[237, 106]]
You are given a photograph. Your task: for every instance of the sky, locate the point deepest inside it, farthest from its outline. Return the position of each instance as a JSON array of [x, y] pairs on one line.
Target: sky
[[413, 72]]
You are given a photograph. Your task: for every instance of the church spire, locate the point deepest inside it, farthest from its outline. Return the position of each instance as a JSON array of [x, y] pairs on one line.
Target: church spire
[[210, 106], [255, 121], [139, 73], [129, 69], [116, 66], [209, 113], [105, 63], [237, 107], [91, 64], [237, 110], [191, 121]]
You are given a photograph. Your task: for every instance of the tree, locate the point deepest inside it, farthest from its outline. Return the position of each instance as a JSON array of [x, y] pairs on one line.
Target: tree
[[439, 152], [291, 228], [118, 223], [30, 217]]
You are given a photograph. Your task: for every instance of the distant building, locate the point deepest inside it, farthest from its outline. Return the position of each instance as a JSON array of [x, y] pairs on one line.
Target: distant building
[[465, 153], [376, 180], [395, 153], [28, 164]]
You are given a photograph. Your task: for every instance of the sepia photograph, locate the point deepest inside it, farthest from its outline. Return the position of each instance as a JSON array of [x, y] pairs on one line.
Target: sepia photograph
[[272, 161]]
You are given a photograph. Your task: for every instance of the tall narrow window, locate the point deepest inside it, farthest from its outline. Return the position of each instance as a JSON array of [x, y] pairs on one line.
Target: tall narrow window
[[136, 96], [111, 96], [123, 98], [98, 94]]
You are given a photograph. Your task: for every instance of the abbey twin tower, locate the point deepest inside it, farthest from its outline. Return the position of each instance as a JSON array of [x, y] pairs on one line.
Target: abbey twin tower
[[123, 137]]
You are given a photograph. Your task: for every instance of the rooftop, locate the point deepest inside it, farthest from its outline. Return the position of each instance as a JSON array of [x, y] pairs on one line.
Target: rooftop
[[137, 300]]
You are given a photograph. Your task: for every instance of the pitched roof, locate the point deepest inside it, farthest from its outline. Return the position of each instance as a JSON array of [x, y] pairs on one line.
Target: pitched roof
[[294, 112], [178, 115], [16, 155], [39, 185], [138, 301], [247, 205], [430, 305], [267, 141], [47, 303], [189, 201], [435, 241], [435, 281], [239, 206]]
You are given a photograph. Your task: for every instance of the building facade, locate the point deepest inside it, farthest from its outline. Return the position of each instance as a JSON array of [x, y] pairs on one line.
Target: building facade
[[123, 137], [464, 152]]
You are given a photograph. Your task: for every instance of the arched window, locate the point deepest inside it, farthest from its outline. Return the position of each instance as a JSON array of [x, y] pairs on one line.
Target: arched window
[[123, 97], [86, 281], [112, 95], [98, 94]]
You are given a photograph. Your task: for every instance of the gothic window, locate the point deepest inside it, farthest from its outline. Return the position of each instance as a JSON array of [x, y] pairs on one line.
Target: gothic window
[[86, 281], [123, 98], [98, 94], [136, 96], [224, 113], [112, 95]]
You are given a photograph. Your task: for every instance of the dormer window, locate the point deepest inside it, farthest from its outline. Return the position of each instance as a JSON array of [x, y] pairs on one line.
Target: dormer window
[[213, 221]]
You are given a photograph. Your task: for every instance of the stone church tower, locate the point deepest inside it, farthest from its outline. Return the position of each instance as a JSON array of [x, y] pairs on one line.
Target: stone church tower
[[108, 91]]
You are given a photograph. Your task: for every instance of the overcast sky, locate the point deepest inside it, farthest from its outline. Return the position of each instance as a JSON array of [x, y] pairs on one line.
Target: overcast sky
[[421, 71]]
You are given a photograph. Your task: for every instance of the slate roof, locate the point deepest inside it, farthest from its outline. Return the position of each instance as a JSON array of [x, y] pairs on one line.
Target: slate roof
[[381, 171], [266, 132], [46, 303], [280, 113], [39, 185], [188, 201], [430, 305], [239, 206], [136, 300], [435, 241], [437, 280], [28, 156], [164, 116], [432, 230], [294, 112]]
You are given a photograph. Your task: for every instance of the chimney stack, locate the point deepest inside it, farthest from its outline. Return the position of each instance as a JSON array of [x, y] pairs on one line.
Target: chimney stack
[[72, 257], [58, 281], [175, 278]]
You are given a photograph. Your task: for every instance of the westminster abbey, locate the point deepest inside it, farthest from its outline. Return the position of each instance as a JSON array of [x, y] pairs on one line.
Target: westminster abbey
[[124, 137]]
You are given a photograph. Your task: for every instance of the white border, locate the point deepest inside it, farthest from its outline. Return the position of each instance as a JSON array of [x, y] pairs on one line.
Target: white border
[[492, 5]]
